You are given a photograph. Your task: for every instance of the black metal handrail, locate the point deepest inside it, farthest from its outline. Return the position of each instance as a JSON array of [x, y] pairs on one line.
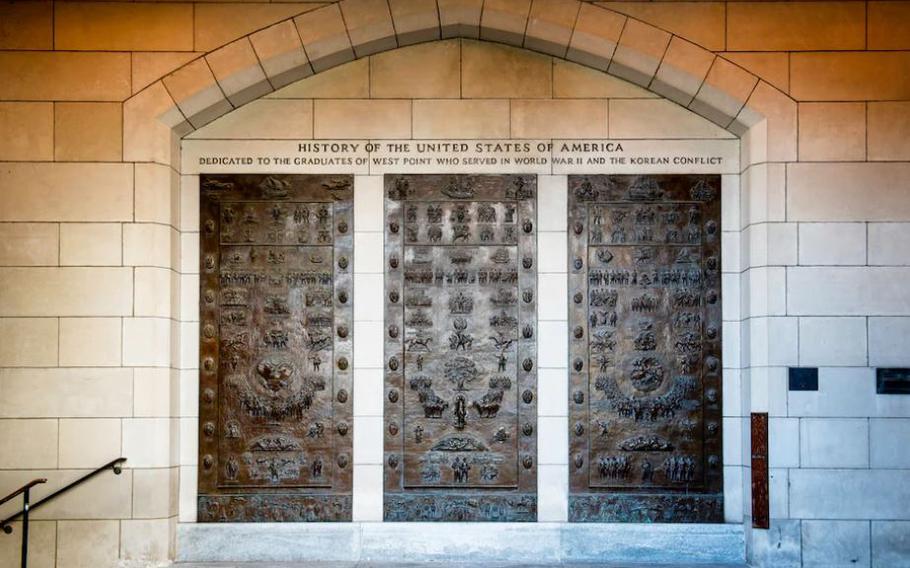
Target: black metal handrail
[[114, 465]]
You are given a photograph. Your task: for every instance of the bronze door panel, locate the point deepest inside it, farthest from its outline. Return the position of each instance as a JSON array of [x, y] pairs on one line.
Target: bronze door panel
[[460, 405], [275, 348], [645, 349]]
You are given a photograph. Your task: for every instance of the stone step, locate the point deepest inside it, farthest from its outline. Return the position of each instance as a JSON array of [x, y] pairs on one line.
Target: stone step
[[511, 544], [435, 565]]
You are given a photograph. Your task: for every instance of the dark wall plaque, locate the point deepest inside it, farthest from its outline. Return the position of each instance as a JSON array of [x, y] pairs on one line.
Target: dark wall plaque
[[895, 380], [761, 507], [275, 348], [645, 349], [802, 378], [460, 348]]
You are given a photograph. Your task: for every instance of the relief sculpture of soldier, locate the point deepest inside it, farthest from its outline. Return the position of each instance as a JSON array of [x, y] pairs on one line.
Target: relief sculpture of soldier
[[275, 343], [460, 348], [644, 280]]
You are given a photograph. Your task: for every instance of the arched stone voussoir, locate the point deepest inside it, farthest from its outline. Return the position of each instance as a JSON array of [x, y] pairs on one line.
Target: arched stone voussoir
[[550, 26], [460, 18], [325, 37], [152, 125], [369, 25], [415, 21], [281, 54], [237, 70], [196, 92], [505, 21], [595, 36], [639, 52], [724, 92]]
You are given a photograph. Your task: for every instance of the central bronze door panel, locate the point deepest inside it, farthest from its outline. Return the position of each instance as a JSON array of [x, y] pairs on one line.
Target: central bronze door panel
[[275, 348], [460, 348], [645, 349]]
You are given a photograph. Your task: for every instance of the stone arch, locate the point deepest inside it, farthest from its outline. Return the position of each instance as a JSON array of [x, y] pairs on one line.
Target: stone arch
[[263, 61]]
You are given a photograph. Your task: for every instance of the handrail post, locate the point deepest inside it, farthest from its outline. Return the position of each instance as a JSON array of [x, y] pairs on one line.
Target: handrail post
[[25, 529]]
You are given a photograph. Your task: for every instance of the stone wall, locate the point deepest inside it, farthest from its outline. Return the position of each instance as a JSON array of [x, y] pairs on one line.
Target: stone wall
[[98, 297]]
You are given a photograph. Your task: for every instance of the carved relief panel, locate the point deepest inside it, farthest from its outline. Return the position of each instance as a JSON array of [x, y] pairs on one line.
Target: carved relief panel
[[645, 349], [276, 318], [460, 348]]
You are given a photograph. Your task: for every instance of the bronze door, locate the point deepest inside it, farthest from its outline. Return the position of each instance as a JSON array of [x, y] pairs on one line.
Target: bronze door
[[275, 348], [645, 349], [460, 348]]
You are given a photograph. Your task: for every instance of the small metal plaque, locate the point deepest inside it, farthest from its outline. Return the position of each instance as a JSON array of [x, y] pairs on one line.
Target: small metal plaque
[[803, 378], [895, 380], [761, 508]]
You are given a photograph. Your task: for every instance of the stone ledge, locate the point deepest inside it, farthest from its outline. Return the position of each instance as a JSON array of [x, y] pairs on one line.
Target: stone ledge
[[473, 542]]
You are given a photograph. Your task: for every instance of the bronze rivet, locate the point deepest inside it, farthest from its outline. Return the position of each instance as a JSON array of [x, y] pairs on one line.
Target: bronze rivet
[[342, 396], [342, 363]]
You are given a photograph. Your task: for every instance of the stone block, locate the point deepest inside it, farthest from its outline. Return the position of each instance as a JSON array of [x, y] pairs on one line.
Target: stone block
[[504, 21], [325, 37], [369, 25], [150, 442], [888, 342], [553, 389], [145, 540], [102, 497], [779, 494], [66, 192], [188, 494], [724, 92], [42, 544], [148, 67], [888, 443], [699, 22], [831, 544], [490, 71], [368, 440], [28, 342], [771, 67], [29, 244], [639, 51], [832, 132], [553, 285], [595, 36], [189, 204], [877, 494], [780, 113], [567, 118], [368, 301], [890, 544], [263, 119], [237, 70], [105, 26], [367, 493], [195, 90], [783, 441], [154, 391], [779, 547], [368, 344], [461, 119], [149, 244], [834, 442], [28, 128], [425, 71], [853, 76], [888, 25], [65, 291], [154, 292], [369, 258], [888, 130], [550, 26], [551, 197], [847, 291], [848, 192], [847, 392], [553, 440], [387, 119], [53, 393], [347, 81], [146, 342], [552, 249], [76, 76], [219, 23], [682, 71], [281, 54], [733, 494], [415, 21], [656, 118], [368, 388], [368, 203], [574, 81], [459, 18], [795, 26], [90, 342], [827, 341], [553, 348], [27, 25], [87, 543], [28, 444], [90, 244], [832, 244], [733, 441], [90, 132], [552, 493], [86, 443]]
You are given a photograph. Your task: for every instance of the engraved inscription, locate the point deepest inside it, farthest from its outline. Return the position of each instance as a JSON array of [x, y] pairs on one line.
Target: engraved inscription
[[644, 288], [274, 287], [460, 348]]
